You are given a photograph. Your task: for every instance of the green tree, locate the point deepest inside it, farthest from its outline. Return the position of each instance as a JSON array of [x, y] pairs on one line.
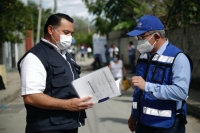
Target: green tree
[[16, 19], [183, 12], [13, 21], [123, 14], [83, 31], [114, 14]]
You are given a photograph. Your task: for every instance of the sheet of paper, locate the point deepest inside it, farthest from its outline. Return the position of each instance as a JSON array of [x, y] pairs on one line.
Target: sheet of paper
[[100, 84]]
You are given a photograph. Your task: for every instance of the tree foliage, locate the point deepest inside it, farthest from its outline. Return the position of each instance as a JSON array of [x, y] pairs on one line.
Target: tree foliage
[[183, 12], [16, 18], [83, 31], [123, 14], [12, 20], [117, 14]]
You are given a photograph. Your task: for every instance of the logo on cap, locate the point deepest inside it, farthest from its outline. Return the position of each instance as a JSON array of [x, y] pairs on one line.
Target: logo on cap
[[139, 24]]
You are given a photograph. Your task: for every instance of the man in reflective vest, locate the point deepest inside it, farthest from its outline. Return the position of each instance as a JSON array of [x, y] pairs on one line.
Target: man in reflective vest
[[161, 83]]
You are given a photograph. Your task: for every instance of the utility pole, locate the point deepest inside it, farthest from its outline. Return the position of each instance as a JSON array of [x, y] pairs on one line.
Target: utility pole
[[55, 6], [39, 22]]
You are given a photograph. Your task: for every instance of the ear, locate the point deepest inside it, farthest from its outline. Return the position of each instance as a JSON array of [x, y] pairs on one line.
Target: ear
[[157, 36], [50, 29]]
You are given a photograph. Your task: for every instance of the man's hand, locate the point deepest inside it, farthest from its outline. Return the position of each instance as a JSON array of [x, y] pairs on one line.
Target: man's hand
[[138, 81], [76, 104], [44, 101], [132, 124]]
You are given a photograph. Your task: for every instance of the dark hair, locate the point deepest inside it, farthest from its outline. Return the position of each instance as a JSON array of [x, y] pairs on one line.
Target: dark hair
[[55, 19], [116, 56], [131, 43]]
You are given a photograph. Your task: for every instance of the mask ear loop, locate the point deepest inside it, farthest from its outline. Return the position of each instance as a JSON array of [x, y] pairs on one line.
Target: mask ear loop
[[151, 36], [154, 43], [53, 38], [156, 40], [56, 32]]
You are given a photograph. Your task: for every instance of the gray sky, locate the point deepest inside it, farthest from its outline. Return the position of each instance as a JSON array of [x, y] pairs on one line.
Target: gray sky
[[70, 7]]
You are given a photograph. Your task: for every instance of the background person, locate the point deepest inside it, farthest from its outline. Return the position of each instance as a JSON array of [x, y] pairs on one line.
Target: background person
[[107, 55], [73, 51], [162, 81], [117, 67], [131, 55], [113, 50], [47, 71], [97, 60], [83, 51], [89, 52]]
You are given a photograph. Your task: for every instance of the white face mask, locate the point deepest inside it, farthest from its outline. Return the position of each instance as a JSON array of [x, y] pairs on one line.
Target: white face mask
[[65, 41], [144, 46]]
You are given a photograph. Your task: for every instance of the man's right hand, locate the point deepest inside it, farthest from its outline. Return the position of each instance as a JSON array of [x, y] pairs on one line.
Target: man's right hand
[[132, 124], [76, 104], [44, 101]]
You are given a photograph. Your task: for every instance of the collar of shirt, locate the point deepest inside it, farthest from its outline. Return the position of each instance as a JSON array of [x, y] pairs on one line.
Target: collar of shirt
[[62, 52], [163, 47]]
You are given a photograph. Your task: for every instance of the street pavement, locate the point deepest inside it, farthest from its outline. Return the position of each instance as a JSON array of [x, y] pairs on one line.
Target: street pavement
[[107, 117]]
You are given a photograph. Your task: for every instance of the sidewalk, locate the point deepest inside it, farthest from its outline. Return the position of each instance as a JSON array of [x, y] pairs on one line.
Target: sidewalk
[[13, 88]]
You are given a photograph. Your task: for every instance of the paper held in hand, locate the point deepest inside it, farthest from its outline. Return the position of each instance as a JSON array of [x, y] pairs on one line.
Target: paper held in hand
[[99, 84]]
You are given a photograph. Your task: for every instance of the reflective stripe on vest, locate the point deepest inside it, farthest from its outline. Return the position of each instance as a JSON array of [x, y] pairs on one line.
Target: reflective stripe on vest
[[156, 112], [134, 105], [162, 58]]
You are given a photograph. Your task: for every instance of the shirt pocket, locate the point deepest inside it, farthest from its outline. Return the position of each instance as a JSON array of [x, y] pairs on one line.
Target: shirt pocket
[[158, 75], [61, 87], [57, 68], [61, 117]]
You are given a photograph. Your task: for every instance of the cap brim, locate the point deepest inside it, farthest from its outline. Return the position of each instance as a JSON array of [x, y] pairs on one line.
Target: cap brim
[[136, 32]]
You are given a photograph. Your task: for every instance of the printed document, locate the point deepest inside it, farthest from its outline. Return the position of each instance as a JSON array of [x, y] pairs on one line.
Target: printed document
[[100, 84]]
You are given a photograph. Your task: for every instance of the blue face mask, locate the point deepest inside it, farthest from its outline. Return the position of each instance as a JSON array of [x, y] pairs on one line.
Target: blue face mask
[[115, 59]]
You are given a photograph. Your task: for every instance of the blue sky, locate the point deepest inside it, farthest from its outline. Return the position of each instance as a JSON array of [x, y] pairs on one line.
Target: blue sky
[[70, 7]]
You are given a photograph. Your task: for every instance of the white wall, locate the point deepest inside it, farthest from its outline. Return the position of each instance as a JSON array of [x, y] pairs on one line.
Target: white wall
[[19, 50]]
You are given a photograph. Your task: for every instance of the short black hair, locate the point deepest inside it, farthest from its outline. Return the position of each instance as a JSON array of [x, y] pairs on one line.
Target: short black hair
[[55, 19], [131, 42]]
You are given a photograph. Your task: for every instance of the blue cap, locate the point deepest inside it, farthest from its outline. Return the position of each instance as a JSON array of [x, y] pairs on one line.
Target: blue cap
[[146, 23]]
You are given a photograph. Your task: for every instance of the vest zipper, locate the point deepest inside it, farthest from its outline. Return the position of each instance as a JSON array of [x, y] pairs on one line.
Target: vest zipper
[[70, 68], [73, 79], [78, 118], [141, 92]]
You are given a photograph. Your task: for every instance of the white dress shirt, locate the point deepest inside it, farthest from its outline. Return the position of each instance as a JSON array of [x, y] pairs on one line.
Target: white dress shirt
[[33, 73]]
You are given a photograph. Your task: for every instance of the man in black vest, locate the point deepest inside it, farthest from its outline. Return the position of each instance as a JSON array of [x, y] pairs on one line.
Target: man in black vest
[[47, 71]]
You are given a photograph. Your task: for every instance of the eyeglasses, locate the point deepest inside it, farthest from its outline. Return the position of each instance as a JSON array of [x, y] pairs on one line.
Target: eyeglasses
[[142, 37]]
